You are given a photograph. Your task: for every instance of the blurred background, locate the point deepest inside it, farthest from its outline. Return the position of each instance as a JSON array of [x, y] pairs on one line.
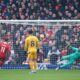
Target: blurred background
[[39, 9]]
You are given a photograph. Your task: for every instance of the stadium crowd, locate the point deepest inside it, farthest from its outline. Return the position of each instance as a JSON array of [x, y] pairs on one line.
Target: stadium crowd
[[52, 40], [39, 9]]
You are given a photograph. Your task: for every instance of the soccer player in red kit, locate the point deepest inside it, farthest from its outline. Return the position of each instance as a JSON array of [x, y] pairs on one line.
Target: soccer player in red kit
[[4, 49]]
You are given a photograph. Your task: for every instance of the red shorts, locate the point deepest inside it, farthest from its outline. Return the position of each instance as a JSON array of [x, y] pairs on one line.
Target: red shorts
[[2, 58]]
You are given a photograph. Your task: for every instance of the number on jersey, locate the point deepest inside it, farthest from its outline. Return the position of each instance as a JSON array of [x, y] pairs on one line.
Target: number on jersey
[[32, 44], [2, 49]]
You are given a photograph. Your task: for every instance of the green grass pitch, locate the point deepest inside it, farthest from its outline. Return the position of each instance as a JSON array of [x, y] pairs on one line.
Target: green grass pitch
[[40, 75]]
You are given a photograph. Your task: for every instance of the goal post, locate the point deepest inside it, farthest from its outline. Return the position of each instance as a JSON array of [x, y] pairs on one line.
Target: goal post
[[42, 22], [58, 31]]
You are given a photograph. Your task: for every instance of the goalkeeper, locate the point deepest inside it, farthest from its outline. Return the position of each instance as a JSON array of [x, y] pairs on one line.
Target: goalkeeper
[[72, 57]]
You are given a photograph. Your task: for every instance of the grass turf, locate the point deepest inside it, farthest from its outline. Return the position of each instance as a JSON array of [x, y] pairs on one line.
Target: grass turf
[[40, 75]]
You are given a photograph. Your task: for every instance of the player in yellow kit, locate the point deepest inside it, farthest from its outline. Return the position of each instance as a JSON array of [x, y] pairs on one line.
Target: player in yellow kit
[[32, 44]]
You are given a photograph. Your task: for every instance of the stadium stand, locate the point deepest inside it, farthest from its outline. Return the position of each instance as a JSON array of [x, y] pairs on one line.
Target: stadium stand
[[39, 9]]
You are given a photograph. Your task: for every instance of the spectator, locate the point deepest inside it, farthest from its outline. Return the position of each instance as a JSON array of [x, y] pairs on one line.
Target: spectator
[[38, 9]]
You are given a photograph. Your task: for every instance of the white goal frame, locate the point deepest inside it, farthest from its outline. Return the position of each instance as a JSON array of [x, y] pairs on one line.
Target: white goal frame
[[43, 22]]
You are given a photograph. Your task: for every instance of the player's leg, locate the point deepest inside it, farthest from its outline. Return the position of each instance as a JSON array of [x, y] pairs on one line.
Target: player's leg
[[59, 63], [30, 61], [1, 62], [68, 64], [68, 57], [35, 61], [71, 58], [35, 65]]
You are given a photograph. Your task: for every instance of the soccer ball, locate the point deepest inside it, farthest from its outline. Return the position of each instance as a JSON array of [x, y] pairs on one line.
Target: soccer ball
[[41, 36]]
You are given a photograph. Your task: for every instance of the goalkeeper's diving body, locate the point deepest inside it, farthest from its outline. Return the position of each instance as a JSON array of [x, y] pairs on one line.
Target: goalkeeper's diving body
[[32, 45], [71, 58]]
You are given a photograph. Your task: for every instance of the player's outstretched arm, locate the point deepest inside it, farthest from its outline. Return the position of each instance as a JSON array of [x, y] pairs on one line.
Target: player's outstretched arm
[[69, 46], [74, 48]]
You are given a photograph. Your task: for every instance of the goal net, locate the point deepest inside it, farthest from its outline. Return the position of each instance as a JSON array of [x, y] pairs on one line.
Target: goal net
[[53, 35]]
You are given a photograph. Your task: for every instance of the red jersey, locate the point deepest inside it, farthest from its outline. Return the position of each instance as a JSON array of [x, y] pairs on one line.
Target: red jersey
[[4, 48]]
